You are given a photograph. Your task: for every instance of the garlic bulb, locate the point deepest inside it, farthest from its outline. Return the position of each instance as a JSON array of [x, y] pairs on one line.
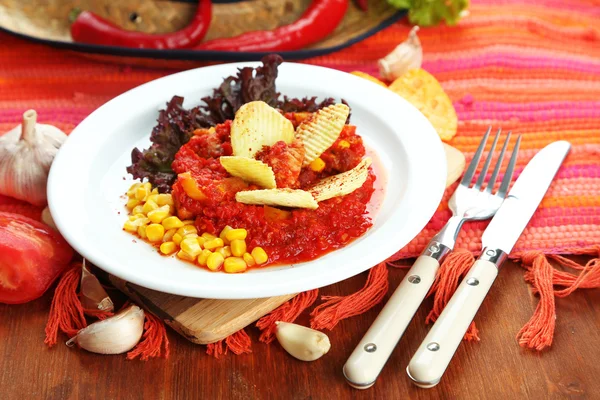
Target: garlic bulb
[[93, 295], [114, 335], [301, 342], [26, 153], [407, 55]]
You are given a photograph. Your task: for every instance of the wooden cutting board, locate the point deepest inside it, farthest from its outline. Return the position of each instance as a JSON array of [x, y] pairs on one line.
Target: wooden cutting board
[[206, 321]]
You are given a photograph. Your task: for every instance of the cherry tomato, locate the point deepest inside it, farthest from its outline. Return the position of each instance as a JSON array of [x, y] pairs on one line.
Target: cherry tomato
[[32, 255]]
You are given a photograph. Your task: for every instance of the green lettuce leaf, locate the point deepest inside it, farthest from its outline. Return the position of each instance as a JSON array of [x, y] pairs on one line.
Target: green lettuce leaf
[[431, 12]]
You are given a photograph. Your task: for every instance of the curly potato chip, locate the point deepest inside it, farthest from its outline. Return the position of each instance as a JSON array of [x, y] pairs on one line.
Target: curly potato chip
[[341, 184], [321, 130], [423, 91], [278, 197], [369, 78], [250, 170], [256, 124]]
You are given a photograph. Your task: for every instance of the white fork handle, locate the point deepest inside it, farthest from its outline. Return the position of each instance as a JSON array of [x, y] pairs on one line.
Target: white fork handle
[[437, 349], [368, 358]]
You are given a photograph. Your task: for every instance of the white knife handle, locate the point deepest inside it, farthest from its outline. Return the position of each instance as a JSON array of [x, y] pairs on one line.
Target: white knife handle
[[368, 358], [437, 349]]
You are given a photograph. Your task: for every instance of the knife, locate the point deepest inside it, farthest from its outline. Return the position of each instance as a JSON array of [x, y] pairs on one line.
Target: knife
[[437, 349]]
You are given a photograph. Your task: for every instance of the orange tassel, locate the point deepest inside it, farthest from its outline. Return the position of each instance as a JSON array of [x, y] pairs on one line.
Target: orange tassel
[[153, 340], [238, 343], [337, 308], [287, 312], [66, 312], [451, 272], [538, 332]]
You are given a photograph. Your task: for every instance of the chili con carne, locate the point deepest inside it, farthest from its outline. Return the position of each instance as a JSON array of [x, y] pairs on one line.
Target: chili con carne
[[93, 29], [317, 22]]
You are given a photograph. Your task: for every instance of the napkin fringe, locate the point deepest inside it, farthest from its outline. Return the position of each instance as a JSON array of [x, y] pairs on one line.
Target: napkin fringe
[[238, 343]]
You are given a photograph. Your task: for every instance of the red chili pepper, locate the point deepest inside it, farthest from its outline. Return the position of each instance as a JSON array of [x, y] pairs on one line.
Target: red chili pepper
[[317, 22], [93, 29], [362, 4]]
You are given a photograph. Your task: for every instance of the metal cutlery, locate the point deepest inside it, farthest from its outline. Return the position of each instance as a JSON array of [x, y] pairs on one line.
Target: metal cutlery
[[467, 203], [437, 349]]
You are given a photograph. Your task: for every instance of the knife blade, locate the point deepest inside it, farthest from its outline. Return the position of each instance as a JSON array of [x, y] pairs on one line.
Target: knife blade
[[433, 356]]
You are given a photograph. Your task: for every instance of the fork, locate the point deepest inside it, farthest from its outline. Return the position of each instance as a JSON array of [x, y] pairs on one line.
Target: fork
[[467, 204]]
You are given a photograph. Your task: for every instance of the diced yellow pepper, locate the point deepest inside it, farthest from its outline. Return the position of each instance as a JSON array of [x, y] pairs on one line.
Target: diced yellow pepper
[[171, 222], [185, 256], [233, 265], [203, 257], [343, 144], [149, 206], [132, 203], [226, 251], [190, 245], [159, 214], [249, 260], [168, 247], [213, 244], [169, 235], [238, 247], [190, 187], [223, 234], [164, 199], [236, 234], [214, 261], [317, 165], [155, 232], [259, 255], [177, 238]]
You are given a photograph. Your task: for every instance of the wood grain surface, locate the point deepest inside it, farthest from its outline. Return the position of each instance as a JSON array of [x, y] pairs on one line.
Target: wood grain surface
[[495, 368]]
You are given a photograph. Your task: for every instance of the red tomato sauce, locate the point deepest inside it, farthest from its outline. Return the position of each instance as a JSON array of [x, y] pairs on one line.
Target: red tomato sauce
[[287, 235]]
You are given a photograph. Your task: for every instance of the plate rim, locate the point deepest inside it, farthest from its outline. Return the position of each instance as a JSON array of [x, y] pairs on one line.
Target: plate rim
[[435, 189]]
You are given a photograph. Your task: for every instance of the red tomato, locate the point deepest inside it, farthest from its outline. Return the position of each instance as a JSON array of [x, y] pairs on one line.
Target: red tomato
[[32, 255]]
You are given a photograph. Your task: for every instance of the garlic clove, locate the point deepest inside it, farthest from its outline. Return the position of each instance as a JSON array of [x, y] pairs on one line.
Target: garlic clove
[[26, 153], [303, 343], [115, 335], [93, 295], [47, 218], [406, 56]]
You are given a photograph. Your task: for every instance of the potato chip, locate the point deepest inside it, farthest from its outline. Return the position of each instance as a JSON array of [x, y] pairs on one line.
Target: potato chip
[[321, 130], [369, 78], [423, 91], [278, 197], [341, 184], [256, 124], [250, 170]]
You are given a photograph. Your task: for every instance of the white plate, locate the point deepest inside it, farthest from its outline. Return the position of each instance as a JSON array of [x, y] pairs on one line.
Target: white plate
[[88, 179]]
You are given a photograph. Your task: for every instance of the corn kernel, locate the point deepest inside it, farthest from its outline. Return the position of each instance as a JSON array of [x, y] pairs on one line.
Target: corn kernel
[[149, 206], [130, 226], [154, 191], [153, 197], [136, 216], [142, 193], [208, 236], [236, 234], [177, 238], [133, 189], [343, 144], [168, 247], [238, 247], [141, 231], [234, 264], [214, 261], [188, 222], [223, 234], [190, 245], [172, 222], [225, 251], [185, 256], [169, 235], [249, 259], [186, 230], [139, 209], [200, 239], [259, 255], [155, 232], [317, 165], [203, 257], [164, 199], [213, 244], [159, 214], [131, 203]]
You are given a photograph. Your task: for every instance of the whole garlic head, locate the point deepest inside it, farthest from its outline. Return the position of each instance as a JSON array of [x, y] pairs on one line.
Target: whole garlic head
[[26, 153], [301, 342], [407, 55]]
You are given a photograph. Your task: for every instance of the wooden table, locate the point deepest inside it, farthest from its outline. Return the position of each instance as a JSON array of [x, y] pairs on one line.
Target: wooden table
[[495, 368]]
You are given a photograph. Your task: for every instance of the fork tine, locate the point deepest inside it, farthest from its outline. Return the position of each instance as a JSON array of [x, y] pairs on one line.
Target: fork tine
[[466, 180], [509, 170], [488, 160], [492, 182]]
